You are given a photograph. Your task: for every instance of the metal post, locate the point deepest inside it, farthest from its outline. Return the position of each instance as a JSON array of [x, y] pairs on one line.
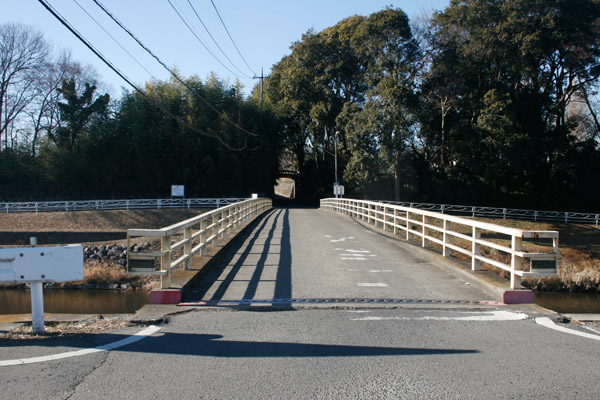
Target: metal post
[[37, 307], [336, 172]]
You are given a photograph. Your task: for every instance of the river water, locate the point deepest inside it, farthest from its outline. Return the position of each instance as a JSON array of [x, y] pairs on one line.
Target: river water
[[75, 301]]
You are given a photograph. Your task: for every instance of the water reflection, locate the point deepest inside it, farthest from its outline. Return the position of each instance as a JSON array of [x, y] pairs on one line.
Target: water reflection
[[577, 303], [73, 301]]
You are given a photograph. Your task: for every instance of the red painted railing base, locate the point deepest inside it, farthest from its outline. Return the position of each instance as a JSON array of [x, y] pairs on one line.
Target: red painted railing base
[[518, 297], [164, 296]]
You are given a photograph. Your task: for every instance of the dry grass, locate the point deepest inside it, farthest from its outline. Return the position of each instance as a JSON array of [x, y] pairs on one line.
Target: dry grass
[[99, 274], [90, 326]]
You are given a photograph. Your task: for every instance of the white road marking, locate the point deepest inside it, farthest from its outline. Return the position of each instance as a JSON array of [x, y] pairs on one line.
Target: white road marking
[[357, 251], [378, 284], [548, 323], [486, 316], [354, 258], [380, 270], [327, 236], [589, 328], [111, 346]]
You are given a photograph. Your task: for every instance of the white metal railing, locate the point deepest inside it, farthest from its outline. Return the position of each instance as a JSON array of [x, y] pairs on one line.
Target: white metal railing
[[448, 232], [89, 205], [192, 235], [504, 213]]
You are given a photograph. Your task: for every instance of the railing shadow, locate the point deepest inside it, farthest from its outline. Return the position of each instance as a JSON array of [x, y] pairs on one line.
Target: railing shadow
[[245, 246]]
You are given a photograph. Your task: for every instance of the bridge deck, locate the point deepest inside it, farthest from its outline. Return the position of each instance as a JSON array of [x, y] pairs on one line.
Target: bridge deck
[[310, 255]]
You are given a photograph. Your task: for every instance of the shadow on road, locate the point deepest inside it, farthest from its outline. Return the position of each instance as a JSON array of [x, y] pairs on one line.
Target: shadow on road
[[247, 244], [212, 346]]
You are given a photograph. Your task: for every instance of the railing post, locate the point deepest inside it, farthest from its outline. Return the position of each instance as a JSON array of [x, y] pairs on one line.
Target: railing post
[[445, 251], [424, 241], [203, 235], [215, 229], [395, 221], [515, 261], [475, 249], [165, 261], [407, 225], [187, 248]]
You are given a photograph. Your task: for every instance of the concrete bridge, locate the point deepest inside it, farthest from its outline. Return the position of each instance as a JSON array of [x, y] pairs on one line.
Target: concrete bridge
[[348, 249], [323, 303]]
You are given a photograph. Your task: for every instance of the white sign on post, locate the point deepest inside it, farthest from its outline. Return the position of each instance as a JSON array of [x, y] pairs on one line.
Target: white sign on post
[[338, 190], [35, 265], [177, 190]]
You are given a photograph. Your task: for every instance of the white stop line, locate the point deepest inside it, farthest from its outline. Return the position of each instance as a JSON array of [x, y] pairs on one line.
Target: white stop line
[[111, 346], [485, 316]]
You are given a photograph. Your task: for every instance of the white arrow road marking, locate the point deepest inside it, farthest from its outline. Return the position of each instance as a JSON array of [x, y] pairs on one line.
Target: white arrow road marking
[[548, 323], [378, 284], [111, 346], [486, 316]]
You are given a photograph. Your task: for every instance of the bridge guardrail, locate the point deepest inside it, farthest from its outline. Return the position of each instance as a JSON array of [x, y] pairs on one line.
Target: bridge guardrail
[[198, 232], [91, 205], [450, 231], [511, 213]]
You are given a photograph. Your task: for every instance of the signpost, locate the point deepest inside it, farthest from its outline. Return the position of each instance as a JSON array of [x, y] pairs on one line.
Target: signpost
[[338, 190], [36, 265]]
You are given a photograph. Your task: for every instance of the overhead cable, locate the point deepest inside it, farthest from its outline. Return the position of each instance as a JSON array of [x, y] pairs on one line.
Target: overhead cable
[[171, 71], [115, 40], [230, 37], [156, 103], [200, 40], [215, 42]]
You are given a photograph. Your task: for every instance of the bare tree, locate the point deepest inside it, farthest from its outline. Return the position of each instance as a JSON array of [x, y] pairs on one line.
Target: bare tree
[[23, 54], [43, 111]]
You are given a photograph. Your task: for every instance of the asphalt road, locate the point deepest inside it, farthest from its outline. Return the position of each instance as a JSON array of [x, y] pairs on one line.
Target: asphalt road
[[441, 342]]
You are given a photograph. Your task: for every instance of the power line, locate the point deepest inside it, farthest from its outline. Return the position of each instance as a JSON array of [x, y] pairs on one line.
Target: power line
[[232, 41], [215, 42], [156, 103], [200, 40], [171, 71], [115, 40]]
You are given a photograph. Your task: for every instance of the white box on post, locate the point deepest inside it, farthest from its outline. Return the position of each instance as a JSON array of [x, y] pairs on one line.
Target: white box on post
[[35, 265]]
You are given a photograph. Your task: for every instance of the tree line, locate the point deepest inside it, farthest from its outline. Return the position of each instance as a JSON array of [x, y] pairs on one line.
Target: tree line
[[487, 103], [62, 138]]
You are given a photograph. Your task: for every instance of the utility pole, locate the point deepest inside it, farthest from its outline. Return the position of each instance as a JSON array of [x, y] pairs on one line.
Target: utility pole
[[262, 79]]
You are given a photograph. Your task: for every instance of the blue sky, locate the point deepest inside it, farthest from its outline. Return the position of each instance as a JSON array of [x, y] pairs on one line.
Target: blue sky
[[262, 29]]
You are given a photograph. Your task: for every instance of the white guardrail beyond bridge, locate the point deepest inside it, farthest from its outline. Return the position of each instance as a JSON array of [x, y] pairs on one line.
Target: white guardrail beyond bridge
[[189, 237], [477, 240]]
